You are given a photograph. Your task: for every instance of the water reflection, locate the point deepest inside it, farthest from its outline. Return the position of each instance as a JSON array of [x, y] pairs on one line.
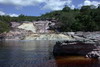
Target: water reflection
[[26, 54], [76, 61], [38, 54]]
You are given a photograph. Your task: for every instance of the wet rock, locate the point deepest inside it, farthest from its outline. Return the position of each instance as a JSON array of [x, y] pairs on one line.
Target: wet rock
[[28, 26], [2, 36], [89, 35], [17, 34], [93, 54], [48, 37], [76, 48]]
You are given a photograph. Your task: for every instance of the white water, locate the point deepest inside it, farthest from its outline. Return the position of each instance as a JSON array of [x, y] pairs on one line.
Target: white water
[[28, 26], [48, 37]]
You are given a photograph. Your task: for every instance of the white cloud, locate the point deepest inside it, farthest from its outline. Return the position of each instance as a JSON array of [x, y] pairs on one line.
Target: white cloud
[[72, 6], [88, 2], [54, 5], [48, 4], [80, 5], [11, 15], [2, 13], [58, 4], [69, 2], [95, 3], [21, 2]]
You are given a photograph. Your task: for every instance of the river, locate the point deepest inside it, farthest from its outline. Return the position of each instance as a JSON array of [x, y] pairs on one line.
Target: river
[[38, 54]]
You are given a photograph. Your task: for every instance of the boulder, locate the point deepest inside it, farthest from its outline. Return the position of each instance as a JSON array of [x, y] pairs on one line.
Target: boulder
[[93, 54], [75, 48]]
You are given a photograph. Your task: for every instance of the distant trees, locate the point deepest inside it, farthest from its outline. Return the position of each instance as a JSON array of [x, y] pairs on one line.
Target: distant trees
[[98, 6], [66, 9], [18, 19]]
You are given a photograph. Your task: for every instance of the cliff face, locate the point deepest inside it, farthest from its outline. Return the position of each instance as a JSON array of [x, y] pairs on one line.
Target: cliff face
[[43, 26], [17, 34], [37, 26], [37, 30], [40, 30]]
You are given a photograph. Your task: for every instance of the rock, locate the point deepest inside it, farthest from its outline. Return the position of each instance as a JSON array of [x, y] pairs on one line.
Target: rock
[[28, 26], [48, 37], [75, 48], [2, 36], [15, 24], [93, 54], [89, 35], [17, 34]]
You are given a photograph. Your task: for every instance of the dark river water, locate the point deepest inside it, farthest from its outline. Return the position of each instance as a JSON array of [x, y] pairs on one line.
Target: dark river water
[[38, 54]]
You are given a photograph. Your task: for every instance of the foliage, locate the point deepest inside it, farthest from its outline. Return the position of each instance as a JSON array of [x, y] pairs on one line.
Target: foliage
[[4, 27]]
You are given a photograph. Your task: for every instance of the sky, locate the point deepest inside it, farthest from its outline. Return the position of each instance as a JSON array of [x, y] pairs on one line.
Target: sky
[[14, 8]]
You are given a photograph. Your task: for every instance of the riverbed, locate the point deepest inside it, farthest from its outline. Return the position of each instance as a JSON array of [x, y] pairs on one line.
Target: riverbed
[[38, 54]]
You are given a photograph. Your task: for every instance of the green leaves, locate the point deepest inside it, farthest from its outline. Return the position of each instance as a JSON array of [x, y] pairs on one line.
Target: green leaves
[[4, 27], [66, 9]]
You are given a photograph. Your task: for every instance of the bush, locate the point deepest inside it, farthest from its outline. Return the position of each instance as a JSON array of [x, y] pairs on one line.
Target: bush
[[4, 27]]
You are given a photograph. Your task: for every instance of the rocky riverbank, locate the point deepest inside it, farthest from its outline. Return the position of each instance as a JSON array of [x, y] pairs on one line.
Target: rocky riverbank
[[37, 30], [86, 44], [82, 43], [40, 30], [86, 48]]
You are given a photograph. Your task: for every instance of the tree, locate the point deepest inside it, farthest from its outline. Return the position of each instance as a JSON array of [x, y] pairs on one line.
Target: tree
[[66, 9], [99, 6], [4, 27], [85, 10]]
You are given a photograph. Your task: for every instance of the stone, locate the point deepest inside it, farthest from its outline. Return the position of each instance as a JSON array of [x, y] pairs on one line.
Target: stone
[[75, 48], [93, 54]]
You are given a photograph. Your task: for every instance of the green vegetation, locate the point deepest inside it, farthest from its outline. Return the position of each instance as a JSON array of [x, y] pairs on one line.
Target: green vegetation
[[4, 27], [87, 18]]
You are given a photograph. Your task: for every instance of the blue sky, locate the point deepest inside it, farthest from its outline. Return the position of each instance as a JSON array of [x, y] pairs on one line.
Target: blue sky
[[38, 7]]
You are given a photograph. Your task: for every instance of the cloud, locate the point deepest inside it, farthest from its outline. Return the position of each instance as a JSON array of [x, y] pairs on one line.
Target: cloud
[[48, 4], [55, 5], [11, 15], [72, 6], [2, 13], [88, 2], [21, 2], [80, 5], [95, 3]]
